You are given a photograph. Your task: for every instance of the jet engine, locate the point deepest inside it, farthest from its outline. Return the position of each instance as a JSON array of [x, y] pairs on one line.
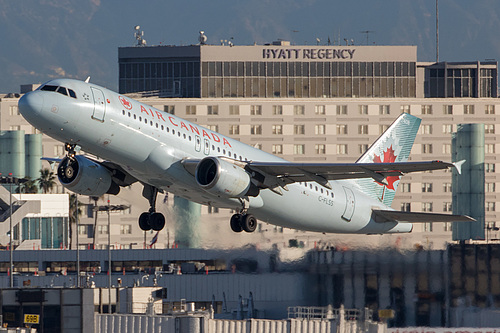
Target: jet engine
[[223, 178], [84, 176]]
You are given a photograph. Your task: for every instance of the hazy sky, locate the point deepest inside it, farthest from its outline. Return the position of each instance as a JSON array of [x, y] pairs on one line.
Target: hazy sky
[[76, 38]]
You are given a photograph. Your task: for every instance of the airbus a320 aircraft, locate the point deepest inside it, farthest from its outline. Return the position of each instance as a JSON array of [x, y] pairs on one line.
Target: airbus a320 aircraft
[[137, 142]]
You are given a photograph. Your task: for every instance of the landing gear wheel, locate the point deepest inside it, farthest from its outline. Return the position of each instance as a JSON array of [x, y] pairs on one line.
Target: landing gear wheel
[[157, 221], [248, 223], [144, 222], [236, 223]]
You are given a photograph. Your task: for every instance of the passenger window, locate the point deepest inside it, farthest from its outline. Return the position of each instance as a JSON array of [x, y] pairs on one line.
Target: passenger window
[[62, 90], [173, 132], [162, 127], [129, 114], [140, 118], [72, 93], [218, 149], [135, 117], [229, 153], [123, 112], [184, 136]]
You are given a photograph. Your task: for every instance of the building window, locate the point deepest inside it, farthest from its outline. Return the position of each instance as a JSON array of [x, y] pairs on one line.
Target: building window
[[427, 206], [277, 149], [447, 109], [427, 148], [489, 129], [489, 109], [426, 109], [447, 207], [447, 187], [102, 229], [299, 110], [382, 128], [277, 129], [447, 128], [384, 109], [406, 207], [363, 109], [212, 210], [58, 150], [83, 229], [405, 109], [212, 109], [256, 129], [341, 129], [255, 110], [234, 110], [426, 187], [448, 226], [490, 187], [190, 110], [277, 109], [362, 129], [446, 148], [299, 129], [428, 227], [362, 148], [319, 109], [341, 109], [426, 129], [342, 149], [15, 128], [320, 149], [489, 148], [13, 110], [405, 187], [125, 229], [169, 109], [489, 167], [299, 149], [490, 206], [234, 129], [319, 129], [469, 109], [214, 128]]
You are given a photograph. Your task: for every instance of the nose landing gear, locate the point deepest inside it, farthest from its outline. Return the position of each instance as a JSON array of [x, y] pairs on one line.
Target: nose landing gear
[[151, 219]]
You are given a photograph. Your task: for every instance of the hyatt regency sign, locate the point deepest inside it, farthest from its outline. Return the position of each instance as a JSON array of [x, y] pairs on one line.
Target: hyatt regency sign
[[303, 54]]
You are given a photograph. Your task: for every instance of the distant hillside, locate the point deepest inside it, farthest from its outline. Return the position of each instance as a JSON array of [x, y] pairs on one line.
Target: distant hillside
[[76, 38]]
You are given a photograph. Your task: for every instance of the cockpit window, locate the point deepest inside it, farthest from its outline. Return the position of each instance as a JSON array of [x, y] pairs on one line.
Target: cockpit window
[[49, 88], [61, 90]]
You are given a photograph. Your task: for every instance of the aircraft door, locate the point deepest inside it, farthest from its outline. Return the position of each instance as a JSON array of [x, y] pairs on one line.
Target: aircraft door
[[206, 149], [349, 204], [99, 104], [197, 143]]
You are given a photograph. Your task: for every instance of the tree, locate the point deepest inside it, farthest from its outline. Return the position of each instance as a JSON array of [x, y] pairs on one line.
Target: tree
[[28, 186], [46, 180], [74, 212]]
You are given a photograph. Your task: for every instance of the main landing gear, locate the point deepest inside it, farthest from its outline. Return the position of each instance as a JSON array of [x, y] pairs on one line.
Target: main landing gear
[[240, 222], [152, 219]]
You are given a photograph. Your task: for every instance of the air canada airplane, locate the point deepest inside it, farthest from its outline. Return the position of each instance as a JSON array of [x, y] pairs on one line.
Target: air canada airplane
[[136, 142]]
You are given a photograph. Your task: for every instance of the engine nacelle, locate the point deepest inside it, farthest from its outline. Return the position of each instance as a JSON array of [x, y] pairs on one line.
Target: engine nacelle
[[86, 177], [223, 178]]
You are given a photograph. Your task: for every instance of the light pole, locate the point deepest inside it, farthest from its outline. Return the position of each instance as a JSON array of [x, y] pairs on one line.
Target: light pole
[[78, 284], [11, 267], [109, 257]]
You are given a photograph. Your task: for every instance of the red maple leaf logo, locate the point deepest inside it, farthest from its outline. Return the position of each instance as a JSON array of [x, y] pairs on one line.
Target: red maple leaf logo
[[126, 104], [389, 157]]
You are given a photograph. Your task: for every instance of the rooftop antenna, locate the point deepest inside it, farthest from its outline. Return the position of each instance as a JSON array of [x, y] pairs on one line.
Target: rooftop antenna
[[139, 36], [367, 32], [202, 38]]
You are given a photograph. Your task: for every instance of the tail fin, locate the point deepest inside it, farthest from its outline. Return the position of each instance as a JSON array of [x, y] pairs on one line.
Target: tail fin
[[394, 145]]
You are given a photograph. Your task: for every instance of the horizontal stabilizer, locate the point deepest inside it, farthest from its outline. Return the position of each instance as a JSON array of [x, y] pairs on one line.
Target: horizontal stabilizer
[[382, 216]]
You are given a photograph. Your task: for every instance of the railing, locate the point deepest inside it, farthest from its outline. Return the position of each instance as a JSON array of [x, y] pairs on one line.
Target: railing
[[326, 312]]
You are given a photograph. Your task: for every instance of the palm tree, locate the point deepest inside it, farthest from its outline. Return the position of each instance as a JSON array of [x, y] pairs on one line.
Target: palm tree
[[46, 180], [74, 212], [29, 186]]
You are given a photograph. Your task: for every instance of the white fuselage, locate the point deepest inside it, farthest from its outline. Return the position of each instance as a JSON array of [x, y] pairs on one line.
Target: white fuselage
[[150, 144]]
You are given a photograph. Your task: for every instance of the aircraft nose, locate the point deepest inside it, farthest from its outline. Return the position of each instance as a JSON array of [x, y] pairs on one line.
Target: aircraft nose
[[31, 103]]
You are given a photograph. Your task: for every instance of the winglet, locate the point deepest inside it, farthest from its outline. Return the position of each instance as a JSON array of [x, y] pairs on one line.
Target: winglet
[[87, 80], [458, 166]]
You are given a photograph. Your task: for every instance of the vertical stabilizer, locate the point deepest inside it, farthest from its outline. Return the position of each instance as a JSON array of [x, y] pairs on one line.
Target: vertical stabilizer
[[394, 145]]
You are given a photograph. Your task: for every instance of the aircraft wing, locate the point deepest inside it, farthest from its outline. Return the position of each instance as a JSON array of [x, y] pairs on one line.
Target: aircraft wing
[[287, 173], [417, 217]]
